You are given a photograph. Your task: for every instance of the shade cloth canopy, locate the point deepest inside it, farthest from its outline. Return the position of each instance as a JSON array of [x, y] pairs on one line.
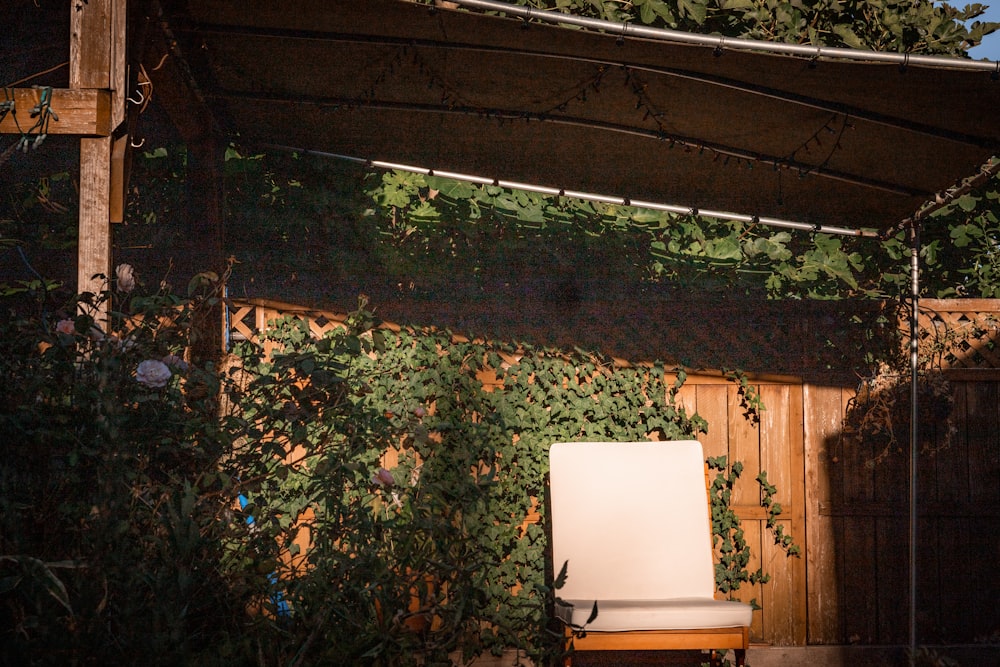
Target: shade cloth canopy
[[859, 144]]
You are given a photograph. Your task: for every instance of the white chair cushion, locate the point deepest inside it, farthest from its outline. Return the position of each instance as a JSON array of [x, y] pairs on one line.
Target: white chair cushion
[[630, 520], [677, 614]]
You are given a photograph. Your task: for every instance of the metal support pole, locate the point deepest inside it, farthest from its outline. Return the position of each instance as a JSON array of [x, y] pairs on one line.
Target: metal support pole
[[914, 425]]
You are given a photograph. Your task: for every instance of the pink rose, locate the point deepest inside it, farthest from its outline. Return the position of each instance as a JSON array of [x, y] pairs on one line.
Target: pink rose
[[152, 373], [383, 477], [67, 327]]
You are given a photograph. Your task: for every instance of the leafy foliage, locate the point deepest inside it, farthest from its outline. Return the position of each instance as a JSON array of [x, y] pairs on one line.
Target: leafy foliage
[[111, 525], [884, 25], [372, 497], [732, 550], [442, 546]]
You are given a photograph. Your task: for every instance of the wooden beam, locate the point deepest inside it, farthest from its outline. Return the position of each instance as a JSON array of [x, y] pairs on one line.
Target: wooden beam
[[97, 61], [94, 245], [82, 112], [119, 177]]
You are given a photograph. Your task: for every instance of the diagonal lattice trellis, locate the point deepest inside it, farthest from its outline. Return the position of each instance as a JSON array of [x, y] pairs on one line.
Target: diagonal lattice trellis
[[961, 334]]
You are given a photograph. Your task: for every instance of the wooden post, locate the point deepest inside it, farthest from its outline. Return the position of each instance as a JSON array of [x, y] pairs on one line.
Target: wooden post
[[97, 61], [202, 250]]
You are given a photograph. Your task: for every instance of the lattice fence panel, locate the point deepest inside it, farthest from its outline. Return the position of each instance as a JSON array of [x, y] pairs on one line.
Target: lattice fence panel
[[961, 334]]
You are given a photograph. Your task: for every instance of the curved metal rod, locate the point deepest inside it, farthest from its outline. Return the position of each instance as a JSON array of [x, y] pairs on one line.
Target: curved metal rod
[[732, 43]]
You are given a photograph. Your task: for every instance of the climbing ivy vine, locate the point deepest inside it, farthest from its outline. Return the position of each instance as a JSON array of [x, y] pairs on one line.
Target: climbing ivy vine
[[421, 466]]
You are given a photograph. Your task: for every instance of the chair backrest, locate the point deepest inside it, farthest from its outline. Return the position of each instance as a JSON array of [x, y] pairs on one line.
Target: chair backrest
[[631, 520]]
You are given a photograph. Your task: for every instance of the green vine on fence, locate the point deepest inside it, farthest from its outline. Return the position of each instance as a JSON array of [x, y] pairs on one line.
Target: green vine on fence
[[731, 570], [750, 399], [391, 484], [734, 554], [782, 539]]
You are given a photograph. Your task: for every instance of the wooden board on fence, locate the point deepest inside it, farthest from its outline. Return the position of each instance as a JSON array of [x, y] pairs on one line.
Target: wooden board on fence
[[712, 406], [857, 575], [744, 446], [752, 533], [891, 590], [823, 411], [783, 621], [781, 458]]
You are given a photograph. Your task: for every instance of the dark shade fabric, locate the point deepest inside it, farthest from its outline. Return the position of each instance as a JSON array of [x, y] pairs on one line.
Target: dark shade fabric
[[818, 141]]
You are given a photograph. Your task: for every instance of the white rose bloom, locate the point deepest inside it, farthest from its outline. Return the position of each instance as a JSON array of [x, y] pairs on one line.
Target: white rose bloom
[[126, 277], [152, 373]]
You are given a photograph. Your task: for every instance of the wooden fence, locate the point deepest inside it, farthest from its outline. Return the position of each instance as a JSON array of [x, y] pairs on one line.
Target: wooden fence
[[847, 512]]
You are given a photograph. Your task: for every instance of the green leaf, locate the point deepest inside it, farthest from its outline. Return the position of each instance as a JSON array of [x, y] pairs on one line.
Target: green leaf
[[967, 202], [848, 36], [560, 580]]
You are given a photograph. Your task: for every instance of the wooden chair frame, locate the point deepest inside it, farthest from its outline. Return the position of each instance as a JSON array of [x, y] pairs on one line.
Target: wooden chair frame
[[711, 639], [715, 640]]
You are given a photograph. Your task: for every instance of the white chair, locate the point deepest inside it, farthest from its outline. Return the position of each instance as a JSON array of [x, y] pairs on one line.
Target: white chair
[[631, 522]]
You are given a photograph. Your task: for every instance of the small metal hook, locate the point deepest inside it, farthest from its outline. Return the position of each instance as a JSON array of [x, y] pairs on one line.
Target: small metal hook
[[132, 143], [719, 47]]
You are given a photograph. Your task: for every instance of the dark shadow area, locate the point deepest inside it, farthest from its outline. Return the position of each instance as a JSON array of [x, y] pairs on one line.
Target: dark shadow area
[[957, 542]]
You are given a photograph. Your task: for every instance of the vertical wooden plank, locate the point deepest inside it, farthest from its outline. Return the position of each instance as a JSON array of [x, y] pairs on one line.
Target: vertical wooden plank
[[954, 593], [780, 445], [116, 191], [982, 617], [957, 585], [823, 413], [94, 245], [92, 34], [687, 398], [981, 575], [775, 595], [780, 595], [713, 408], [90, 44], [857, 576], [857, 543], [775, 457], [891, 585], [890, 490], [747, 593], [952, 463], [984, 443], [797, 515], [117, 65], [744, 446]]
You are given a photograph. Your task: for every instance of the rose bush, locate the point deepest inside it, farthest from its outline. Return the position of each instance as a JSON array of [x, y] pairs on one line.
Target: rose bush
[[114, 516], [152, 373]]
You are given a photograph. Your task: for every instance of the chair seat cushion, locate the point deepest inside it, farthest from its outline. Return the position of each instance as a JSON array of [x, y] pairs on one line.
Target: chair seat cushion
[[674, 614]]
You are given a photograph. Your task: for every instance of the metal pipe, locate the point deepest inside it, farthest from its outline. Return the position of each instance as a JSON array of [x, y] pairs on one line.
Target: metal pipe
[[914, 425], [623, 30], [590, 196]]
